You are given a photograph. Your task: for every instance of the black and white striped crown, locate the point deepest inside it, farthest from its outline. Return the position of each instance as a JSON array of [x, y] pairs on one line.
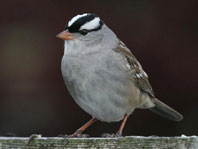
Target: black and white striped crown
[[87, 21]]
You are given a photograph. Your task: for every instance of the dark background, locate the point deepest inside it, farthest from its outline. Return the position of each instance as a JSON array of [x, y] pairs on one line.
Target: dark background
[[33, 96]]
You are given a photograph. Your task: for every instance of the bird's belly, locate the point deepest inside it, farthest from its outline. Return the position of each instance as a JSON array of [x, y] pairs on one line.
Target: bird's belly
[[105, 95], [102, 103]]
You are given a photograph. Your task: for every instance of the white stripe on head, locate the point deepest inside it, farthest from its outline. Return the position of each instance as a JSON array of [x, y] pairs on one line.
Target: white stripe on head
[[76, 18], [91, 24]]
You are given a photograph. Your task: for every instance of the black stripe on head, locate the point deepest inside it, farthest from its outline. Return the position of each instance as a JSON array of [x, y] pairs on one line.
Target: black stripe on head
[[81, 21]]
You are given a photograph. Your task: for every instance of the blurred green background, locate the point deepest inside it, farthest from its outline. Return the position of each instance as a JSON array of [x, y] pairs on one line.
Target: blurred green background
[[33, 97]]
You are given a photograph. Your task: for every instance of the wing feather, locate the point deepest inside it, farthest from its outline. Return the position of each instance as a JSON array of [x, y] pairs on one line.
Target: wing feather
[[138, 75]]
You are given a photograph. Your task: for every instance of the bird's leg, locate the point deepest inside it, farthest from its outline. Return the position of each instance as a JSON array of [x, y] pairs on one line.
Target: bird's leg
[[81, 129], [119, 133]]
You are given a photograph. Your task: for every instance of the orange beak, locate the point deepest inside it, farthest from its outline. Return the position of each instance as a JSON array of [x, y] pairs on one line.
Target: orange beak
[[65, 35]]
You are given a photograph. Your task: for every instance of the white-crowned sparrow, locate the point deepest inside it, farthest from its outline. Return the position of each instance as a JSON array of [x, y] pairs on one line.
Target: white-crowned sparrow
[[103, 76]]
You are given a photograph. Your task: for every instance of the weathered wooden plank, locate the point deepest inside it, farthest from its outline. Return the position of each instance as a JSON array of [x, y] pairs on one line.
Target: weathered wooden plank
[[132, 142]]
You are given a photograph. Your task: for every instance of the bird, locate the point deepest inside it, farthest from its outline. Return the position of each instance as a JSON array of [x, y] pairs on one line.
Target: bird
[[103, 76]]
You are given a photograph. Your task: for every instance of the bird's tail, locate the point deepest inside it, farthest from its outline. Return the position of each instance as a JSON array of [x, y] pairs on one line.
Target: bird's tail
[[164, 110]]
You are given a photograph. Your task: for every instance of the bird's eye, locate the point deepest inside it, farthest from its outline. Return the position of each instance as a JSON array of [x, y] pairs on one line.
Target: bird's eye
[[84, 32]]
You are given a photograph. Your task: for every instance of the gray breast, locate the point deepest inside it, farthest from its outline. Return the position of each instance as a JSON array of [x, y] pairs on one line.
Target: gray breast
[[98, 85]]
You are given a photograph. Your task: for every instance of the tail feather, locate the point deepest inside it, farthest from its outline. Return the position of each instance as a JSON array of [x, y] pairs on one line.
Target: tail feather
[[164, 110]]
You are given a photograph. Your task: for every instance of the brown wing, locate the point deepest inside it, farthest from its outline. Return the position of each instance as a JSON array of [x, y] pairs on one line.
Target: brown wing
[[135, 69]]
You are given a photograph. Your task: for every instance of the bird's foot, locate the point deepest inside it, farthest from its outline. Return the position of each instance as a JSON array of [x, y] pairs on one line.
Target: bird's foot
[[107, 135], [77, 134]]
